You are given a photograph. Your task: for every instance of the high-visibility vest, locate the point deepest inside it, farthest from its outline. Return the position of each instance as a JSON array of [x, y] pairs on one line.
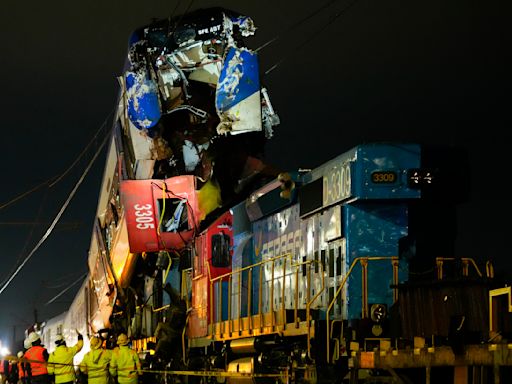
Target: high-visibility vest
[[5, 367], [125, 364], [95, 365], [60, 362], [36, 360]]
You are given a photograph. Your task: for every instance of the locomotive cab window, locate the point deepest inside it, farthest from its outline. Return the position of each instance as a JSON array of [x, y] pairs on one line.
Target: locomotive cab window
[[175, 215], [220, 251]]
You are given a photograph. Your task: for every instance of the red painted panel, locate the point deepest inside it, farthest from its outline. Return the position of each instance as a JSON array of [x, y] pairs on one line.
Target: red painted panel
[[146, 232]]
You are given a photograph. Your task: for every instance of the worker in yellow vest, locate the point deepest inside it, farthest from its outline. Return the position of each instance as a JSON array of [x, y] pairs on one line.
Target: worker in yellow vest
[[125, 362], [60, 362], [95, 362]]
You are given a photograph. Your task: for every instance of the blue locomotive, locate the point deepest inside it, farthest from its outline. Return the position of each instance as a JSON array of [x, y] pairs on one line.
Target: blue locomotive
[[309, 263]]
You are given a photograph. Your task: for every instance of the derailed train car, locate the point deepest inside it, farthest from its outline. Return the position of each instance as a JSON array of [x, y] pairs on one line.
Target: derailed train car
[[216, 265], [188, 137]]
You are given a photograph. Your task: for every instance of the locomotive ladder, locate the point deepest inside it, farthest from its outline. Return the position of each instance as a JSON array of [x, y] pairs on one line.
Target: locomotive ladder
[[364, 294]]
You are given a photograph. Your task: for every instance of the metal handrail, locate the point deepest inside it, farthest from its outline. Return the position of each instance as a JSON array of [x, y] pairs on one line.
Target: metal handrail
[[239, 271], [260, 264], [340, 288], [466, 261]]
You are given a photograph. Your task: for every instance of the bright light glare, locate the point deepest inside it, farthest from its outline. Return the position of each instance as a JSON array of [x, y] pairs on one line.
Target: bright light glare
[[4, 351]]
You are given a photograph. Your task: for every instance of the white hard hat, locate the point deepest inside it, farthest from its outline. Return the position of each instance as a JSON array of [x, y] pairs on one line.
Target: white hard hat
[[27, 343], [59, 338], [33, 336], [20, 354]]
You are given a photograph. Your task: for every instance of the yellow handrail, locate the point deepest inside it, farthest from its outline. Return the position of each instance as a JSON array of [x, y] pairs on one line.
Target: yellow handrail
[[260, 264], [239, 272], [340, 288], [250, 266], [466, 261]]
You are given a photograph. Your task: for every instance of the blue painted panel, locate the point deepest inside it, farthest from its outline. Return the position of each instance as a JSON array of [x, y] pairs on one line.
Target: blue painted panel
[[221, 314], [238, 79], [396, 159], [264, 234], [374, 230], [242, 257], [143, 102], [266, 231], [242, 254], [350, 174]]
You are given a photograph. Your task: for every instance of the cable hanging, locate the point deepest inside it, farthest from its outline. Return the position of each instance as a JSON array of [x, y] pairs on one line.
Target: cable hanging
[[55, 179], [296, 24], [57, 218], [305, 42]]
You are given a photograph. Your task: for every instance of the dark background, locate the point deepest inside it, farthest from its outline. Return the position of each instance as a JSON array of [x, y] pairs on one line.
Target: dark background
[[432, 72]]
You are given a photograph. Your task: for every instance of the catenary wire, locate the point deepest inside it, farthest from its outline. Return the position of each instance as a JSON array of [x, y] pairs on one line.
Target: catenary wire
[[55, 179], [295, 25], [67, 288], [308, 40], [59, 215], [29, 237]]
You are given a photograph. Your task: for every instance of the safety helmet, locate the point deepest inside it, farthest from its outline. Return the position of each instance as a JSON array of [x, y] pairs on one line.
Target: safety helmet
[[59, 339], [20, 354], [122, 339], [33, 336], [95, 342], [27, 343]]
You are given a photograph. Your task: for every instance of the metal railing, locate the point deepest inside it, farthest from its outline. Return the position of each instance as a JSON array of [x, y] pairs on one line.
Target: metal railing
[[364, 291], [465, 263], [294, 269]]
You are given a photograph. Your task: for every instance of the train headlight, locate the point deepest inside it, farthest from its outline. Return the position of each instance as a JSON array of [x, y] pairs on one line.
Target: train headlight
[[418, 178], [378, 312]]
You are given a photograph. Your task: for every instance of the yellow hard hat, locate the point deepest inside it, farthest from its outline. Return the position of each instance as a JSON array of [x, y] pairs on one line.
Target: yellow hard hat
[[95, 342], [122, 339]]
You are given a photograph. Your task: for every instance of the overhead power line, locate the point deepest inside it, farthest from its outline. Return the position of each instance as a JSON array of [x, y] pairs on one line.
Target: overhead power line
[[55, 179], [313, 35], [67, 288], [74, 224], [57, 218], [297, 24]]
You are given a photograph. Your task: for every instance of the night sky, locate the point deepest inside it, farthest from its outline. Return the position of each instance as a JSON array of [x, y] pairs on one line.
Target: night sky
[[432, 72]]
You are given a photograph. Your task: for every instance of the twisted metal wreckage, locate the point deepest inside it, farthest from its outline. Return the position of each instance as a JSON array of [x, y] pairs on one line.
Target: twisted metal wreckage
[[195, 102]]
